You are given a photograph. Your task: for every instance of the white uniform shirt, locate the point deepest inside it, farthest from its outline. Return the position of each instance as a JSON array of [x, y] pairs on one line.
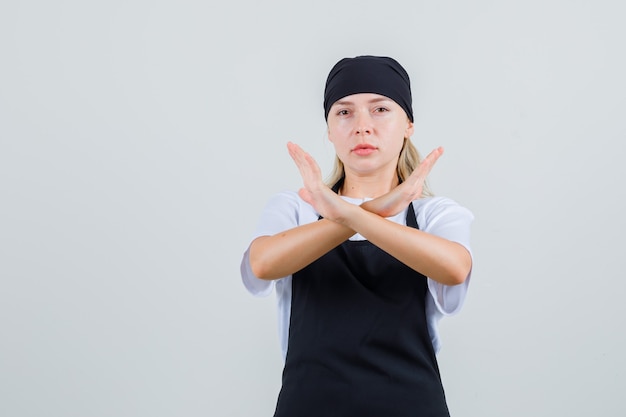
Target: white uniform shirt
[[439, 216]]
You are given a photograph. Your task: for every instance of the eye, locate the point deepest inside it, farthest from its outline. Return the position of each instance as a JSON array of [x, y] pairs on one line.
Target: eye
[[381, 109], [342, 112]]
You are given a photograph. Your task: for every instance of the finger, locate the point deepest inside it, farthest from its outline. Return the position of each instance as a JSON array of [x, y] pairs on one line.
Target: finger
[[298, 156], [305, 195], [295, 151], [308, 167], [434, 155], [418, 176], [427, 164]]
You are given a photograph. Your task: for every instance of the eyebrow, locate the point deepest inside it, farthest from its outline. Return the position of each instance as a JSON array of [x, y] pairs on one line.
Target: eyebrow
[[348, 102]]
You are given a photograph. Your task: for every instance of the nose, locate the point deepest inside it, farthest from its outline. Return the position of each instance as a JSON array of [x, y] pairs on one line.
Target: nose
[[363, 125]]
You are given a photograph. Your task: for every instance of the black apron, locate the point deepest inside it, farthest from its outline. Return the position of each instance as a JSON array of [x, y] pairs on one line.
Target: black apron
[[358, 342]]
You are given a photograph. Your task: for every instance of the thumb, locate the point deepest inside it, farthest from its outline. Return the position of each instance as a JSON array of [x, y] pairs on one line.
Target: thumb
[[305, 195]]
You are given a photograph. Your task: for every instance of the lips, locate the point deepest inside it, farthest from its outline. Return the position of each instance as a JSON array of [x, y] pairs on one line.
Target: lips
[[363, 149]]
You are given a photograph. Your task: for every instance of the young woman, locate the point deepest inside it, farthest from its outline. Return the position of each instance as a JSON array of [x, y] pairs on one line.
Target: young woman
[[365, 266]]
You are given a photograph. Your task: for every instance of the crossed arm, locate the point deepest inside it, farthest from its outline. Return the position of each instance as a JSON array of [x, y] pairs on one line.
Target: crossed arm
[[273, 257]]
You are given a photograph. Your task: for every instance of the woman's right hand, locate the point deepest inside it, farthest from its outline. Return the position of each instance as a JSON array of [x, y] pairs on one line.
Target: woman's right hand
[[400, 197], [314, 191]]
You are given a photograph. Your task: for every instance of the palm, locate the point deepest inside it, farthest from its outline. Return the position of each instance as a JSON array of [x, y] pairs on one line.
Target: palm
[[411, 189], [314, 191]]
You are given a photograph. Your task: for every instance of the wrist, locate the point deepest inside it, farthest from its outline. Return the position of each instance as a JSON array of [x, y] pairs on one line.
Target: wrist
[[350, 215]]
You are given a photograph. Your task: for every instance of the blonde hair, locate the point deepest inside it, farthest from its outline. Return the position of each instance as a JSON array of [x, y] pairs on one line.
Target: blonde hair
[[408, 160]]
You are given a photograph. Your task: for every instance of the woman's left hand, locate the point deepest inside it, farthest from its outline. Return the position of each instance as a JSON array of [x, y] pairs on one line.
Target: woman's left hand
[[315, 192], [401, 196]]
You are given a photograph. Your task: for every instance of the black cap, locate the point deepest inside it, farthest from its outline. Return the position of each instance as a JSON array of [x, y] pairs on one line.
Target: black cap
[[368, 74]]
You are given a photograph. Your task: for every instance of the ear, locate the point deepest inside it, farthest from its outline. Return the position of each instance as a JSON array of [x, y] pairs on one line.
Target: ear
[[409, 129], [328, 134]]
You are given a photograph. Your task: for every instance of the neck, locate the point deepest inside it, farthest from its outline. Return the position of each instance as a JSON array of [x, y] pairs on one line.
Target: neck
[[356, 186]]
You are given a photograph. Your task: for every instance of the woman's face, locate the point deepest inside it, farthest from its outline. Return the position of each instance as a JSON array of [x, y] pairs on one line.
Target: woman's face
[[368, 132]]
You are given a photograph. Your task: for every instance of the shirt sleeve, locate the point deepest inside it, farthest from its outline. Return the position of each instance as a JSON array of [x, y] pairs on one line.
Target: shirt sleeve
[[280, 214], [445, 218]]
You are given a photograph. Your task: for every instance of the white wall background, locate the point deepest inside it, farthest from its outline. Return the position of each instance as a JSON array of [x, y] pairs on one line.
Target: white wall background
[[139, 141]]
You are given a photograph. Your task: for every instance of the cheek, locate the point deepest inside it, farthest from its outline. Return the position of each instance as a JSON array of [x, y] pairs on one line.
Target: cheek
[[337, 131], [392, 131], [397, 139]]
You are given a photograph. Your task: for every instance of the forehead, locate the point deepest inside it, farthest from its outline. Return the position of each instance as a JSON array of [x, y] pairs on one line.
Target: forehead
[[362, 98]]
